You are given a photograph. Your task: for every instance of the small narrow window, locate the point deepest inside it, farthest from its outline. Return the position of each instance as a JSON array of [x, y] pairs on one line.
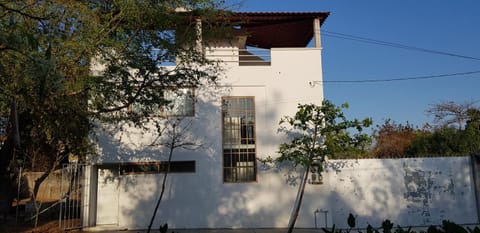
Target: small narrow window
[[181, 102], [152, 167], [239, 150]]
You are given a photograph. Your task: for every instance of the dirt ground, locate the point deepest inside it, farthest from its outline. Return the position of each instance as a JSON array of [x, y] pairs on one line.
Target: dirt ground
[[48, 222], [44, 226]]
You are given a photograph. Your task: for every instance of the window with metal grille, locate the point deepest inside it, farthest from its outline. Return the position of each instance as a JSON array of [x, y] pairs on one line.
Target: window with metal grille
[[239, 162]]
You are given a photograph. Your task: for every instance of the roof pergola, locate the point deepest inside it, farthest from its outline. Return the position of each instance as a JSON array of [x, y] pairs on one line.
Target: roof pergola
[[277, 29]]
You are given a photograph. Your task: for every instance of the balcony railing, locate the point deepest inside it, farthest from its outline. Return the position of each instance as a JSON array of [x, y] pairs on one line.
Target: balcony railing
[[244, 57]]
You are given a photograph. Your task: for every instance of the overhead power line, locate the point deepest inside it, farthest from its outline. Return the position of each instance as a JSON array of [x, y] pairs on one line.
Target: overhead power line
[[398, 79], [391, 44]]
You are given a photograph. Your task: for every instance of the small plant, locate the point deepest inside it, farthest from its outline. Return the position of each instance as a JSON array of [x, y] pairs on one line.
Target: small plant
[[387, 227], [163, 228], [351, 220]]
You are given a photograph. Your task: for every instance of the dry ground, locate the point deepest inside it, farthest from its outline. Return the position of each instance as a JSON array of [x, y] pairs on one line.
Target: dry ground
[[48, 221]]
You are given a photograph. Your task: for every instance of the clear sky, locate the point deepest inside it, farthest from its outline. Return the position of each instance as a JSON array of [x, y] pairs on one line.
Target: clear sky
[[449, 26]]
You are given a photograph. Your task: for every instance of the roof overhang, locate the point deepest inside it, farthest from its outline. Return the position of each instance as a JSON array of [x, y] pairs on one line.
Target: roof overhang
[[276, 29]]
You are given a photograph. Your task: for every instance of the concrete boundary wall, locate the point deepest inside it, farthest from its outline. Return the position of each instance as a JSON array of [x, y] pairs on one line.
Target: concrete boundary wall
[[410, 191], [50, 189], [476, 181]]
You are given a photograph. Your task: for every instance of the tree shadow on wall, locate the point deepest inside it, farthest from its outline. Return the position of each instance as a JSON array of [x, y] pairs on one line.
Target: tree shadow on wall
[[192, 200], [409, 192]]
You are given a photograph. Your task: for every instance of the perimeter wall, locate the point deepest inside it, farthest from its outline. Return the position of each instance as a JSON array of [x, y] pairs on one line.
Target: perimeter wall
[[410, 192]]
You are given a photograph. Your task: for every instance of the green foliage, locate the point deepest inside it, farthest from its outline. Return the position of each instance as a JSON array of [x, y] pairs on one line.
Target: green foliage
[[315, 132], [68, 66], [458, 135], [48, 50], [319, 131], [447, 141], [387, 227]]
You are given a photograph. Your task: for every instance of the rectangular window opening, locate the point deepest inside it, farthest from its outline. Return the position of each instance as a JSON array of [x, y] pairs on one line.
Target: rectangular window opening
[[239, 148], [132, 168], [254, 56], [176, 102], [181, 102]]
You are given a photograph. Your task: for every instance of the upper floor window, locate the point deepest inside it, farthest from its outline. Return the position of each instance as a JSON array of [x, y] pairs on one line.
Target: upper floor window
[[181, 102], [239, 162]]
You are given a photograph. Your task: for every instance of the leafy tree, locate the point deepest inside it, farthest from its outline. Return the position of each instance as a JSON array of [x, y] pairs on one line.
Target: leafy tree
[[316, 132], [48, 50], [458, 134], [451, 140], [446, 141], [392, 139]]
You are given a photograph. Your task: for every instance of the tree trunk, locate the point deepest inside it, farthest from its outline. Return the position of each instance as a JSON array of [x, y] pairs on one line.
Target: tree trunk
[[172, 147], [36, 186], [12, 141], [301, 191]]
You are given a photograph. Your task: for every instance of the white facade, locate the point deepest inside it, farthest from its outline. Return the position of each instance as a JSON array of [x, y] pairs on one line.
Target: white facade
[[201, 199]]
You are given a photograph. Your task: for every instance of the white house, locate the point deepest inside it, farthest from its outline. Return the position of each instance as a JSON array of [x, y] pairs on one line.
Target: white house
[[269, 70]]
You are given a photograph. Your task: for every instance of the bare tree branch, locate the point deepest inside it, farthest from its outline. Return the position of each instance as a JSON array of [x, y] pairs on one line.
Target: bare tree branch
[[6, 8], [449, 113]]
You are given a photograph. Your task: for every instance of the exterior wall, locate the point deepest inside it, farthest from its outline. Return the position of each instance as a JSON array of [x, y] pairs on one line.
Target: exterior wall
[[50, 190], [201, 199], [409, 192]]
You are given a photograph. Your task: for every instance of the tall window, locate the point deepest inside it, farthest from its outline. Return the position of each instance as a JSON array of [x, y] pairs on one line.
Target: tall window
[[239, 163]]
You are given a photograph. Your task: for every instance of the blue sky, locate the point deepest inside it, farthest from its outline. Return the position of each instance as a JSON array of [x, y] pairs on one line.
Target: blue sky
[[440, 25]]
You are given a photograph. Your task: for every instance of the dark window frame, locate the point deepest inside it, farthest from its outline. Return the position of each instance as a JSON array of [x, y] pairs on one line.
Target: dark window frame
[[157, 167], [239, 139]]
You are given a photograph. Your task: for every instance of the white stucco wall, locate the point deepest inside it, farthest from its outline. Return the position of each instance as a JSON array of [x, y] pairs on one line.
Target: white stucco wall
[[409, 192], [201, 199]]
